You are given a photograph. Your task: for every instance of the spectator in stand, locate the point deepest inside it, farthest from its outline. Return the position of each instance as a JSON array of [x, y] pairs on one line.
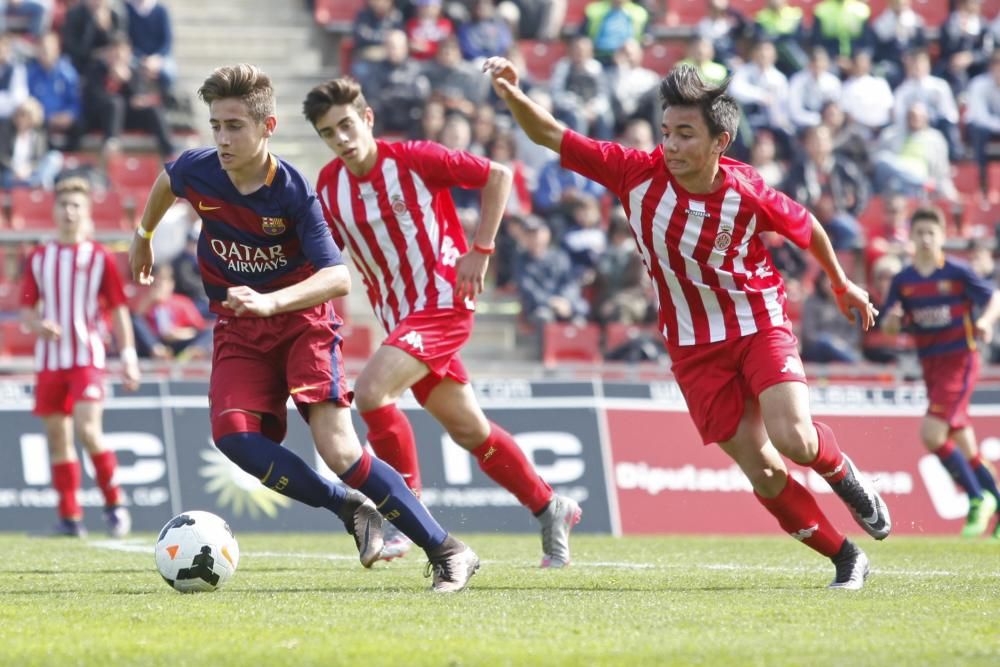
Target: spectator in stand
[[432, 120], [486, 34], [892, 235], [982, 118], [13, 79], [151, 33], [763, 158], [841, 27], [761, 89], [175, 319], [456, 135], [371, 25], [457, 83], [54, 82], [548, 290], [580, 90], [831, 185], [536, 19], [850, 139], [638, 134], [867, 99], [186, 270], [826, 336], [25, 158], [877, 346], [914, 160], [622, 292], [610, 23], [633, 87], [810, 89], [25, 16], [503, 150], [558, 191], [399, 86], [117, 96], [782, 25], [966, 43], [584, 241], [87, 28], [535, 157], [725, 28], [701, 55], [427, 29], [485, 126], [896, 31], [936, 96]]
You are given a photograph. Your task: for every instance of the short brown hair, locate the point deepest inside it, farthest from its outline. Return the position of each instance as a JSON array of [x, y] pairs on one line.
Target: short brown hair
[[245, 82], [71, 185], [334, 92], [684, 87], [930, 214]]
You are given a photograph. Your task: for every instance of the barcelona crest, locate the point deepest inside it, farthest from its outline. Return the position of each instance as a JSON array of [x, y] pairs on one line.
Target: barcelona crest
[[273, 226]]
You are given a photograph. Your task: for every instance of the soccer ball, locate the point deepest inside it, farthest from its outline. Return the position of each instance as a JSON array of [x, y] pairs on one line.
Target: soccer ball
[[196, 551]]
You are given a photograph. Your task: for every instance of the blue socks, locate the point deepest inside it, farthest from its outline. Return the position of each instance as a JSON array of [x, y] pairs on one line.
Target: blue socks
[[984, 478], [959, 468], [281, 470], [395, 501]]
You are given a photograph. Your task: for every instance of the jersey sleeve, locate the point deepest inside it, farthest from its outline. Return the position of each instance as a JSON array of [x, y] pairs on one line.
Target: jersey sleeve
[[178, 172], [112, 291], [892, 297], [441, 167], [30, 294], [605, 162], [977, 288], [314, 233], [777, 212]]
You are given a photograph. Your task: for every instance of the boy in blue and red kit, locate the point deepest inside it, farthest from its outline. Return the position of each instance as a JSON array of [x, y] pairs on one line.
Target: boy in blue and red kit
[[270, 269], [935, 297]]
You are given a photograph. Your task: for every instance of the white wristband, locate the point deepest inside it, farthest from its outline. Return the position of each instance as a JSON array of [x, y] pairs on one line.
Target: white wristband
[[142, 233], [128, 355]]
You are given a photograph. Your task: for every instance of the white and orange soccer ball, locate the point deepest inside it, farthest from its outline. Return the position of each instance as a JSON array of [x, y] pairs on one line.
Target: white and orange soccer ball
[[196, 552]]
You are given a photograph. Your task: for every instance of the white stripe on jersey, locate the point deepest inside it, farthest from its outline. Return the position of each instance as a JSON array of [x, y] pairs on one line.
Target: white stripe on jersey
[[661, 220], [446, 293], [96, 277], [350, 230], [744, 313], [394, 192], [81, 334], [65, 306], [687, 244]]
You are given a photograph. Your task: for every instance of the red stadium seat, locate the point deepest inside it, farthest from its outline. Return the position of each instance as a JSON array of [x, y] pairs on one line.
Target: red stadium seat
[[10, 296], [337, 14], [662, 56], [358, 341], [108, 212], [569, 342], [685, 12], [575, 13], [540, 57], [133, 176], [934, 11], [15, 341], [32, 210]]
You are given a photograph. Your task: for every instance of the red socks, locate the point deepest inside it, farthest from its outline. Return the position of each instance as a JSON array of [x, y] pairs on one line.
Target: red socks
[[104, 469], [391, 437], [505, 463], [66, 482], [799, 515], [829, 462]]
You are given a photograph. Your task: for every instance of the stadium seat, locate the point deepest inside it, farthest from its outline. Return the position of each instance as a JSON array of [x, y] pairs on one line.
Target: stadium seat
[[358, 341], [662, 56], [685, 12], [133, 176], [10, 298], [935, 12], [15, 341], [570, 342], [574, 14], [337, 15], [541, 56], [32, 210], [108, 212]]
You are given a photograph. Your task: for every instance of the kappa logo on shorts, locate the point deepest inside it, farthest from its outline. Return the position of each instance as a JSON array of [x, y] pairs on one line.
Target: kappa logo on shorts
[[794, 366], [805, 533], [414, 340]]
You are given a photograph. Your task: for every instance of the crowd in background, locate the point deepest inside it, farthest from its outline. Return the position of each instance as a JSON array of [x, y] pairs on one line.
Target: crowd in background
[[842, 112]]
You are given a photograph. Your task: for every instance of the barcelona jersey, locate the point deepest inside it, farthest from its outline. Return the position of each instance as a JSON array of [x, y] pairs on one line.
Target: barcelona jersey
[[938, 307], [268, 239]]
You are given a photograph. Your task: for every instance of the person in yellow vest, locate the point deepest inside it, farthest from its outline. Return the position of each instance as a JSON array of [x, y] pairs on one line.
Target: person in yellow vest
[[781, 24], [610, 23], [701, 55], [841, 27]]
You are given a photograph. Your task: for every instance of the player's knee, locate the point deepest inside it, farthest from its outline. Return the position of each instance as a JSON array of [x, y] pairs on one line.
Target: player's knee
[[89, 435], [234, 421], [792, 437]]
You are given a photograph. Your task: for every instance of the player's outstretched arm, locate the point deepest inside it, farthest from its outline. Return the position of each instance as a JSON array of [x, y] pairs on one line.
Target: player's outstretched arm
[[326, 284], [121, 324], [986, 321], [140, 253], [540, 126], [850, 297]]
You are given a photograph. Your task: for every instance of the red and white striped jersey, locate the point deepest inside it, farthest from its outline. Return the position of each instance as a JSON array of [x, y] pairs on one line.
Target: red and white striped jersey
[[713, 276], [400, 225], [74, 283]]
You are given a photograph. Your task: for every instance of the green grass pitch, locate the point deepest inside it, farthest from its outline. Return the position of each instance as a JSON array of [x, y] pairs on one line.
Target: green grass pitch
[[304, 600]]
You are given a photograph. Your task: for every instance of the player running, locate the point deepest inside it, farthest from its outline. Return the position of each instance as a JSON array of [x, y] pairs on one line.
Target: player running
[[270, 269], [696, 217], [935, 296], [390, 204]]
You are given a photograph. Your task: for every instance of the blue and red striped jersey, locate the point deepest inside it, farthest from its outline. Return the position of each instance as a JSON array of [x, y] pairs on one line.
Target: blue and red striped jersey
[[268, 239], [938, 307]]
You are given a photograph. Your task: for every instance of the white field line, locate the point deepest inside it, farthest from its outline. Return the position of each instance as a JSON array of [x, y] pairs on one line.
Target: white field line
[[136, 546]]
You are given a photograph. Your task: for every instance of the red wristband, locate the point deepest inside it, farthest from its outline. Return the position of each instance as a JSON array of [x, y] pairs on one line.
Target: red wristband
[[482, 250], [839, 290]]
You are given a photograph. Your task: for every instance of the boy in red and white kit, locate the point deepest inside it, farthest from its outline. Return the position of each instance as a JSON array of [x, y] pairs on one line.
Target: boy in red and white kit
[[696, 218], [389, 203], [67, 284]]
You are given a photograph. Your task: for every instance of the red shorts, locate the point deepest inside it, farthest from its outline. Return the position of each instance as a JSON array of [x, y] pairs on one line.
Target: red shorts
[[950, 379], [257, 362], [717, 379], [435, 336], [56, 392]]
